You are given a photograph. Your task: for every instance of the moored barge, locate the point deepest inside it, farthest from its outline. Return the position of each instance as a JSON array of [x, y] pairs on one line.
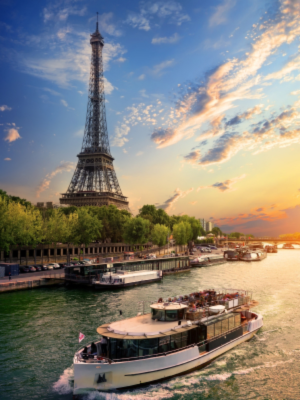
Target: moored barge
[[124, 279], [178, 336]]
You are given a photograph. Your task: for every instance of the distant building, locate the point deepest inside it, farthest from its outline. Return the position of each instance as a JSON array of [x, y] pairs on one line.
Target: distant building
[[202, 223], [48, 204], [209, 226]]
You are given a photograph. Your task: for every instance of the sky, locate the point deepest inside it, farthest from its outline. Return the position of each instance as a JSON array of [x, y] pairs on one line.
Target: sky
[[202, 104]]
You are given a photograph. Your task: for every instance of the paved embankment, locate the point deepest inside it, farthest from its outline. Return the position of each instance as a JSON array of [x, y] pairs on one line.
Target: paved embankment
[[35, 280]]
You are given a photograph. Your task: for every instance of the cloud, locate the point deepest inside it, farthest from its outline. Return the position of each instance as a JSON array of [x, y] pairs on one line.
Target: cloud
[[121, 59], [141, 77], [170, 40], [220, 14], [224, 186], [168, 9], [192, 158], [7, 159], [64, 103], [158, 69], [272, 222], [234, 80], [120, 138], [105, 25], [168, 204], [70, 61], [12, 135], [5, 108], [79, 133], [245, 115], [44, 185], [60, 11], [285, 72], [139, 153], [53, 92]]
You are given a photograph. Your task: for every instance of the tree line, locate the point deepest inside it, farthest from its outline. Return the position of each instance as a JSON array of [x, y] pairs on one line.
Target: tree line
[[21, 223]]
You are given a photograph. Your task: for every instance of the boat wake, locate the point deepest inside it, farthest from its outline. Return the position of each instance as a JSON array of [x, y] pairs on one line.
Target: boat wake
[[180, 386], [63, 386]]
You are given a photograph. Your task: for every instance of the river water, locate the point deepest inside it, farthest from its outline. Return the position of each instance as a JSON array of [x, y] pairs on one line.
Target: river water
[[39, 335]]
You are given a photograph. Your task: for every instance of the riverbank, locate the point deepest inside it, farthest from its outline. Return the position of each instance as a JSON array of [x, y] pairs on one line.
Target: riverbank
[[21, 282]]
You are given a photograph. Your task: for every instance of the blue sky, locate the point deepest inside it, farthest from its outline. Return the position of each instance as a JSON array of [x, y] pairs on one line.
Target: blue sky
[[202, 103]]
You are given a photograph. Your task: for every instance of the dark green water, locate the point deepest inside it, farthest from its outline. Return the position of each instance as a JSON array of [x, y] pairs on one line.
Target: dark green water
[[39, 335]]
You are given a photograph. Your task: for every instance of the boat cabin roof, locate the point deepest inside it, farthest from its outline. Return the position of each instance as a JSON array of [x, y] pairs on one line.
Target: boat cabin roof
[[129, 273], [143, 327]]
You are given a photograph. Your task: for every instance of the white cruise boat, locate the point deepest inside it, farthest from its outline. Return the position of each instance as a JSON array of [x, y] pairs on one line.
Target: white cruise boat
[[122, 279], [178, 336]]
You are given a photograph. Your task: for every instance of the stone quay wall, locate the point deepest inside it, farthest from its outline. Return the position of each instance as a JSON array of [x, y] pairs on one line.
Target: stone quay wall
[[43, 254]]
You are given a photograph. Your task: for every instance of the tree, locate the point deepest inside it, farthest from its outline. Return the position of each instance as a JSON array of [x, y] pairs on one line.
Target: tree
[[159, 235], [154, 215], [195, 226], [182, 233], [86, 228], [216, 231], [136, 231]]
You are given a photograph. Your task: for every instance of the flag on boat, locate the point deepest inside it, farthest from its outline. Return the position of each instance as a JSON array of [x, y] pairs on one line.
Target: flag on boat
[[81, 337]]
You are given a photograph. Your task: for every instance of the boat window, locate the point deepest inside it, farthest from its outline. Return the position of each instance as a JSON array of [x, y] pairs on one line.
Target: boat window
[[164, 344], [132, 348], [225, 325], [192, 336], [201, 333], [184, 339], [171, 315], [218, 328], [231, 322], [158, 314], [210, 331], [237, 319], [175, 342], [148, 346], [181, 313]]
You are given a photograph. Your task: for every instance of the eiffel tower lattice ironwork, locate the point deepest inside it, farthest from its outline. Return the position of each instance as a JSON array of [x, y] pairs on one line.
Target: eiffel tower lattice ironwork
[[95, 182]]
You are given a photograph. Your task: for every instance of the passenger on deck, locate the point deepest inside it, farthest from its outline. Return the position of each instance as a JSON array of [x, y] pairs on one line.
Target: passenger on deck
[[84, 353], [93, 348], [103, 343]]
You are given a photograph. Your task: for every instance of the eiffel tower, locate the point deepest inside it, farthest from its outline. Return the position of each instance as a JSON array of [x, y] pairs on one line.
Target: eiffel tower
[[95, 182]]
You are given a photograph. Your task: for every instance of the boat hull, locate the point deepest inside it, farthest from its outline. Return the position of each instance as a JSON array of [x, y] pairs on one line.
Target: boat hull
[[128, 374]]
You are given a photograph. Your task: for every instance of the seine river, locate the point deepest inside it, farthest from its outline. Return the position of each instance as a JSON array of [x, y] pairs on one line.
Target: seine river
[[39, 335]]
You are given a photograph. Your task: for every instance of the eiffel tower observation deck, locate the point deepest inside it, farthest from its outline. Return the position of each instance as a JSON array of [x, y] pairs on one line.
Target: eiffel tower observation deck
[[95, 182]]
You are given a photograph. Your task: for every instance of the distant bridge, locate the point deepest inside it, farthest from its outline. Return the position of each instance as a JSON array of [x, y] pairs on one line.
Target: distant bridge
[[261, 239]]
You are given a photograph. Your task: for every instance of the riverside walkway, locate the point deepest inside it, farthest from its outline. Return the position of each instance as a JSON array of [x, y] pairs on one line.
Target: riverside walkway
[[32, 280]]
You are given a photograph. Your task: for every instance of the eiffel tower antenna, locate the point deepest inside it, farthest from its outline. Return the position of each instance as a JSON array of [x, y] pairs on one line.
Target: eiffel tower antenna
[[95, 182]]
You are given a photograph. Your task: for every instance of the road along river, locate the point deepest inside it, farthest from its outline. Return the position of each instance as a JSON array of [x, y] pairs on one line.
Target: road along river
[[39, 335]]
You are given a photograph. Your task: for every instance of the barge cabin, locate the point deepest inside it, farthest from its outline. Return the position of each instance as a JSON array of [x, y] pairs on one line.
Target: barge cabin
[[87, 274]]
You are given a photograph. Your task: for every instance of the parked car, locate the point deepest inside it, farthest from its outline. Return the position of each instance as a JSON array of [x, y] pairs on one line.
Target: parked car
[[62, 265], [31, 268], [213, 247], [49, 266], [44, 267], [54, 265], [24, 269], [38, 267]]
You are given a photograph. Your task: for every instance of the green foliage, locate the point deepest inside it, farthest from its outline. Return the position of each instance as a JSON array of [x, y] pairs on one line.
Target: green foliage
[[86, 229], [18, 224], [159, 235], [154, 215], [137, 231], [113, 221], [182, 232], [217, 231], [15, 199], [235, 235], [195, 226]]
